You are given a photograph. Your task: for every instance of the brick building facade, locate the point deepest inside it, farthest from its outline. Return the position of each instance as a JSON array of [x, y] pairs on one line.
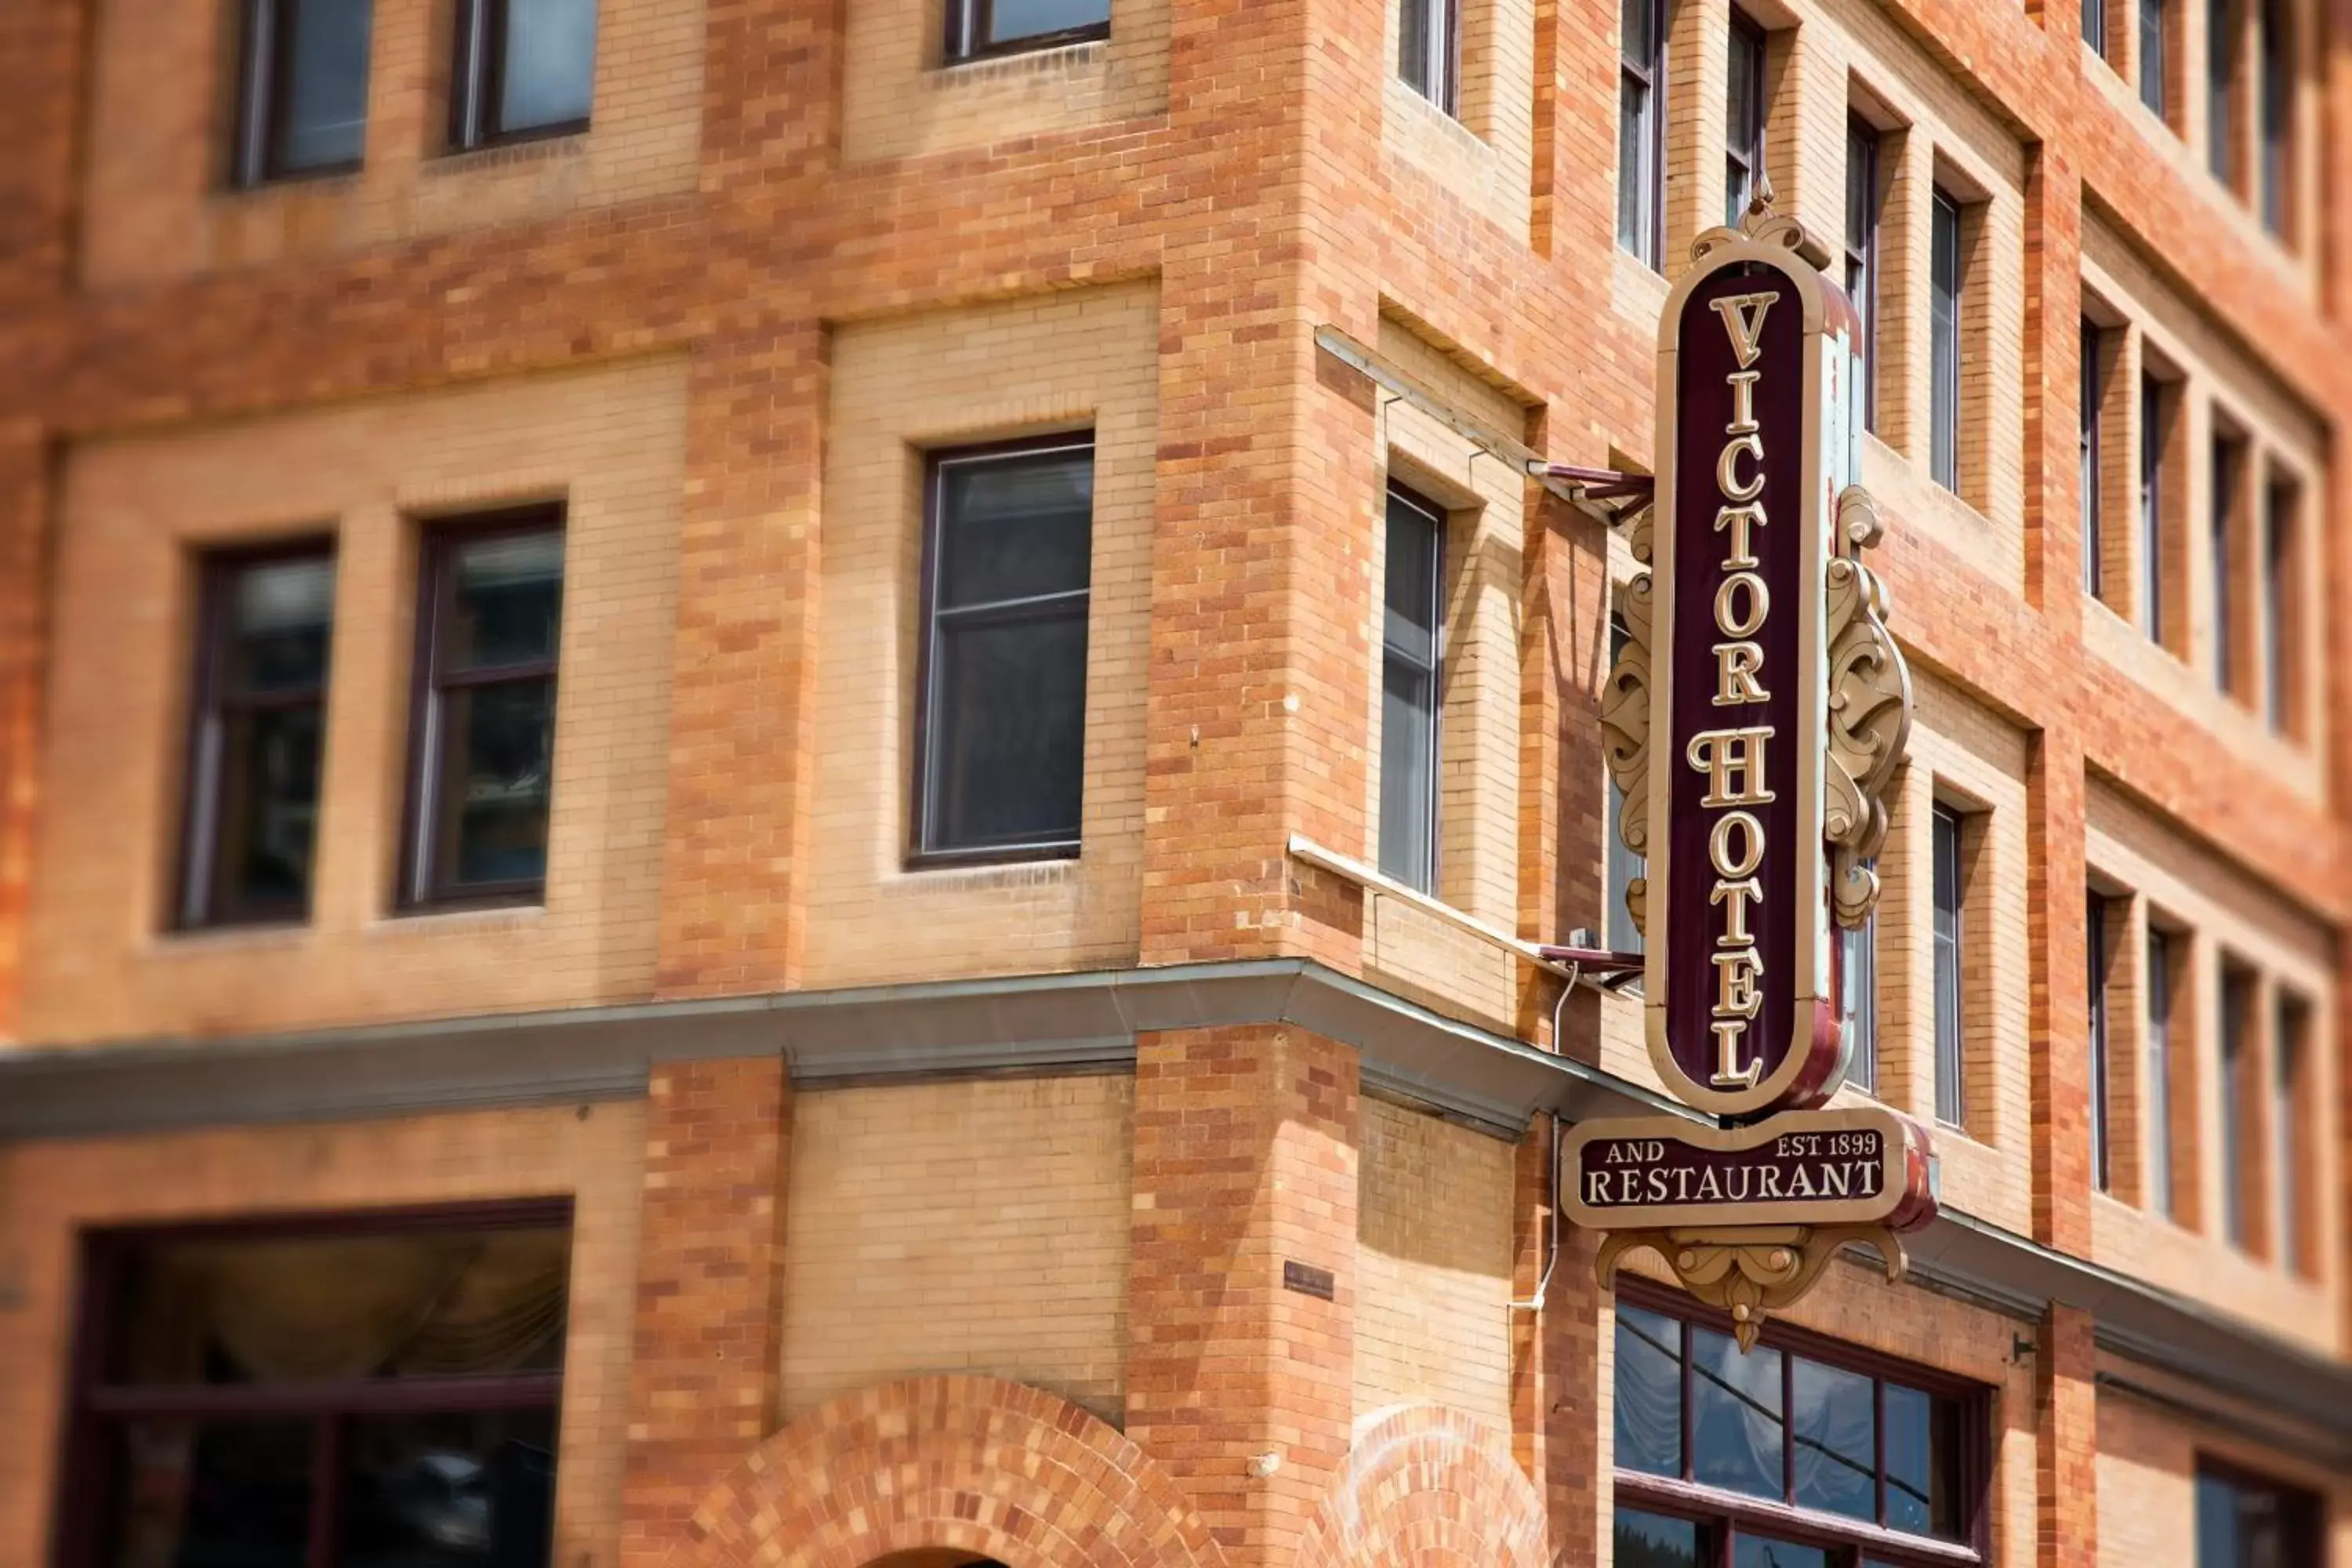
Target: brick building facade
[[817, 1130]]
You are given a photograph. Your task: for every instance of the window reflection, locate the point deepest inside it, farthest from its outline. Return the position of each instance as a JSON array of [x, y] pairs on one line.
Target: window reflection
[[1736, 1417], [1923, 1441], [1836, 1430], [1649, 1392], [1757, 1552], [1654, 1541]]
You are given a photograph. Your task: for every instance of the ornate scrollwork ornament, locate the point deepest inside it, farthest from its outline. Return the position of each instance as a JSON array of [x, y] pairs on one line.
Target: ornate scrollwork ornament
[[1760, 225], [1625, 718], [1750, 1271], [1869, 711]]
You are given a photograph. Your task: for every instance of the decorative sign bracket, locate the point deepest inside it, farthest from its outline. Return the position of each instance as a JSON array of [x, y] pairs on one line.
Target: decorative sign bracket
[[1750, 1271]]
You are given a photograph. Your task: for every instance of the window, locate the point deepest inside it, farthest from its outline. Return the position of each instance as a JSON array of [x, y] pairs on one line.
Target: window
[[1001, 765], [1862, 252], [2157, 1096], [2154, 25], [1951, 1082], [2153, 434], [2291, 1050], [304, 79], [1429, 50], [2093, 393], [1797, 1452], [301, 1396], [2094, 947], [2237, 1004], [2221, 33], [255, 736], [2227, 451], [523, 68], [1411, 651], [1945, 282], [981, 27], [2277, 171], [2095, 25], [1625, 867], [2279, 628], [1640, 147], [1743, 117], [484, 730], [1858, 998], [2243, 1521]]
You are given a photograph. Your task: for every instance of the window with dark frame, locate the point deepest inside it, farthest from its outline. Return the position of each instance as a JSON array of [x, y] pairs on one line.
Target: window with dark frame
[[1951, 1076], [2277, 167], [2244, 1520], [522, 69], [1641, 128], [2222, 36], [317, 1393], [2229, 452], [979, 28], [2154, 25], [1947, 283], [1000, 751], [1625, 867], [2154, 432], [2279, 506], [2237, 1010], [302, 89], [1802, 1451], [1429, 50], [2290, 1048], [2093, 393], [2094, 949], [256, 722], [2157, 1093], [489, 625], [2094, 26], [1743, 117], [1861, 209], [1411, 688]]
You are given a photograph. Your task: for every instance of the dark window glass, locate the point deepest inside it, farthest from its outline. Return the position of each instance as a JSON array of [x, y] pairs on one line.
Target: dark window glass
[[1655, 1540], [2277, 46], [1649, 1391], [485, 726], [2158, 1092], [1002, 27], [1862, 252], [252, 813], [2246, 1522], [2278, 545], [1951, 1081], [2237, 998], [1743, 117], [1763, 1551], [2093, 394], [2094, 949], [1411, 692], [1625, 867], [2154, 432], [2154, 25], [2221, 33], [523, 68], [1849, 1450], [2286, 1119], [1429, 50], [305, 84], [1858, 998], [1003, 762], [2227, 451], [288, 1397], [2095, 25], [1946, 283], [1641, 161]]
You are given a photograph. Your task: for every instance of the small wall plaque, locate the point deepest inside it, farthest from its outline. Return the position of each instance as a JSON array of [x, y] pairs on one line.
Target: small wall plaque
[[1307, 1279]]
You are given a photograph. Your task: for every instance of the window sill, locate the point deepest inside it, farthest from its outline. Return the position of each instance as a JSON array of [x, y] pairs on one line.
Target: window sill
[[1644, 1490], [191, 941], [326, 177], [555, 145], [476, 914], [1064, 43]]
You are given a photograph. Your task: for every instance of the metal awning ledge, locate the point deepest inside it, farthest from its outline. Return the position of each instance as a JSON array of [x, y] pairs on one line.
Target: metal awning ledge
[[1057, 1023]]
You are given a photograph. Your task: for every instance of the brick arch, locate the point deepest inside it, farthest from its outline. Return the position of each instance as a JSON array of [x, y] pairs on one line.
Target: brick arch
[[972, 1464], [1426, 1486]]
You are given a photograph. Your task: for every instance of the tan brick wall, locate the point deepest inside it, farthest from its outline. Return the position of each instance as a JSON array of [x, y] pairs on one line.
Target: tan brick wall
[[1070, 361], [2147, 1456], [48, 1192], [164, 94], [974, 1227], [1482, 155], [899, 102], [1433, 1266], [103, 961]]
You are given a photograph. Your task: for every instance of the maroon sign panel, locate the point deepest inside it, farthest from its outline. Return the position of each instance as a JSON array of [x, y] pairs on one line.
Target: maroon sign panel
[[1740, 907], [1866, 1165]]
